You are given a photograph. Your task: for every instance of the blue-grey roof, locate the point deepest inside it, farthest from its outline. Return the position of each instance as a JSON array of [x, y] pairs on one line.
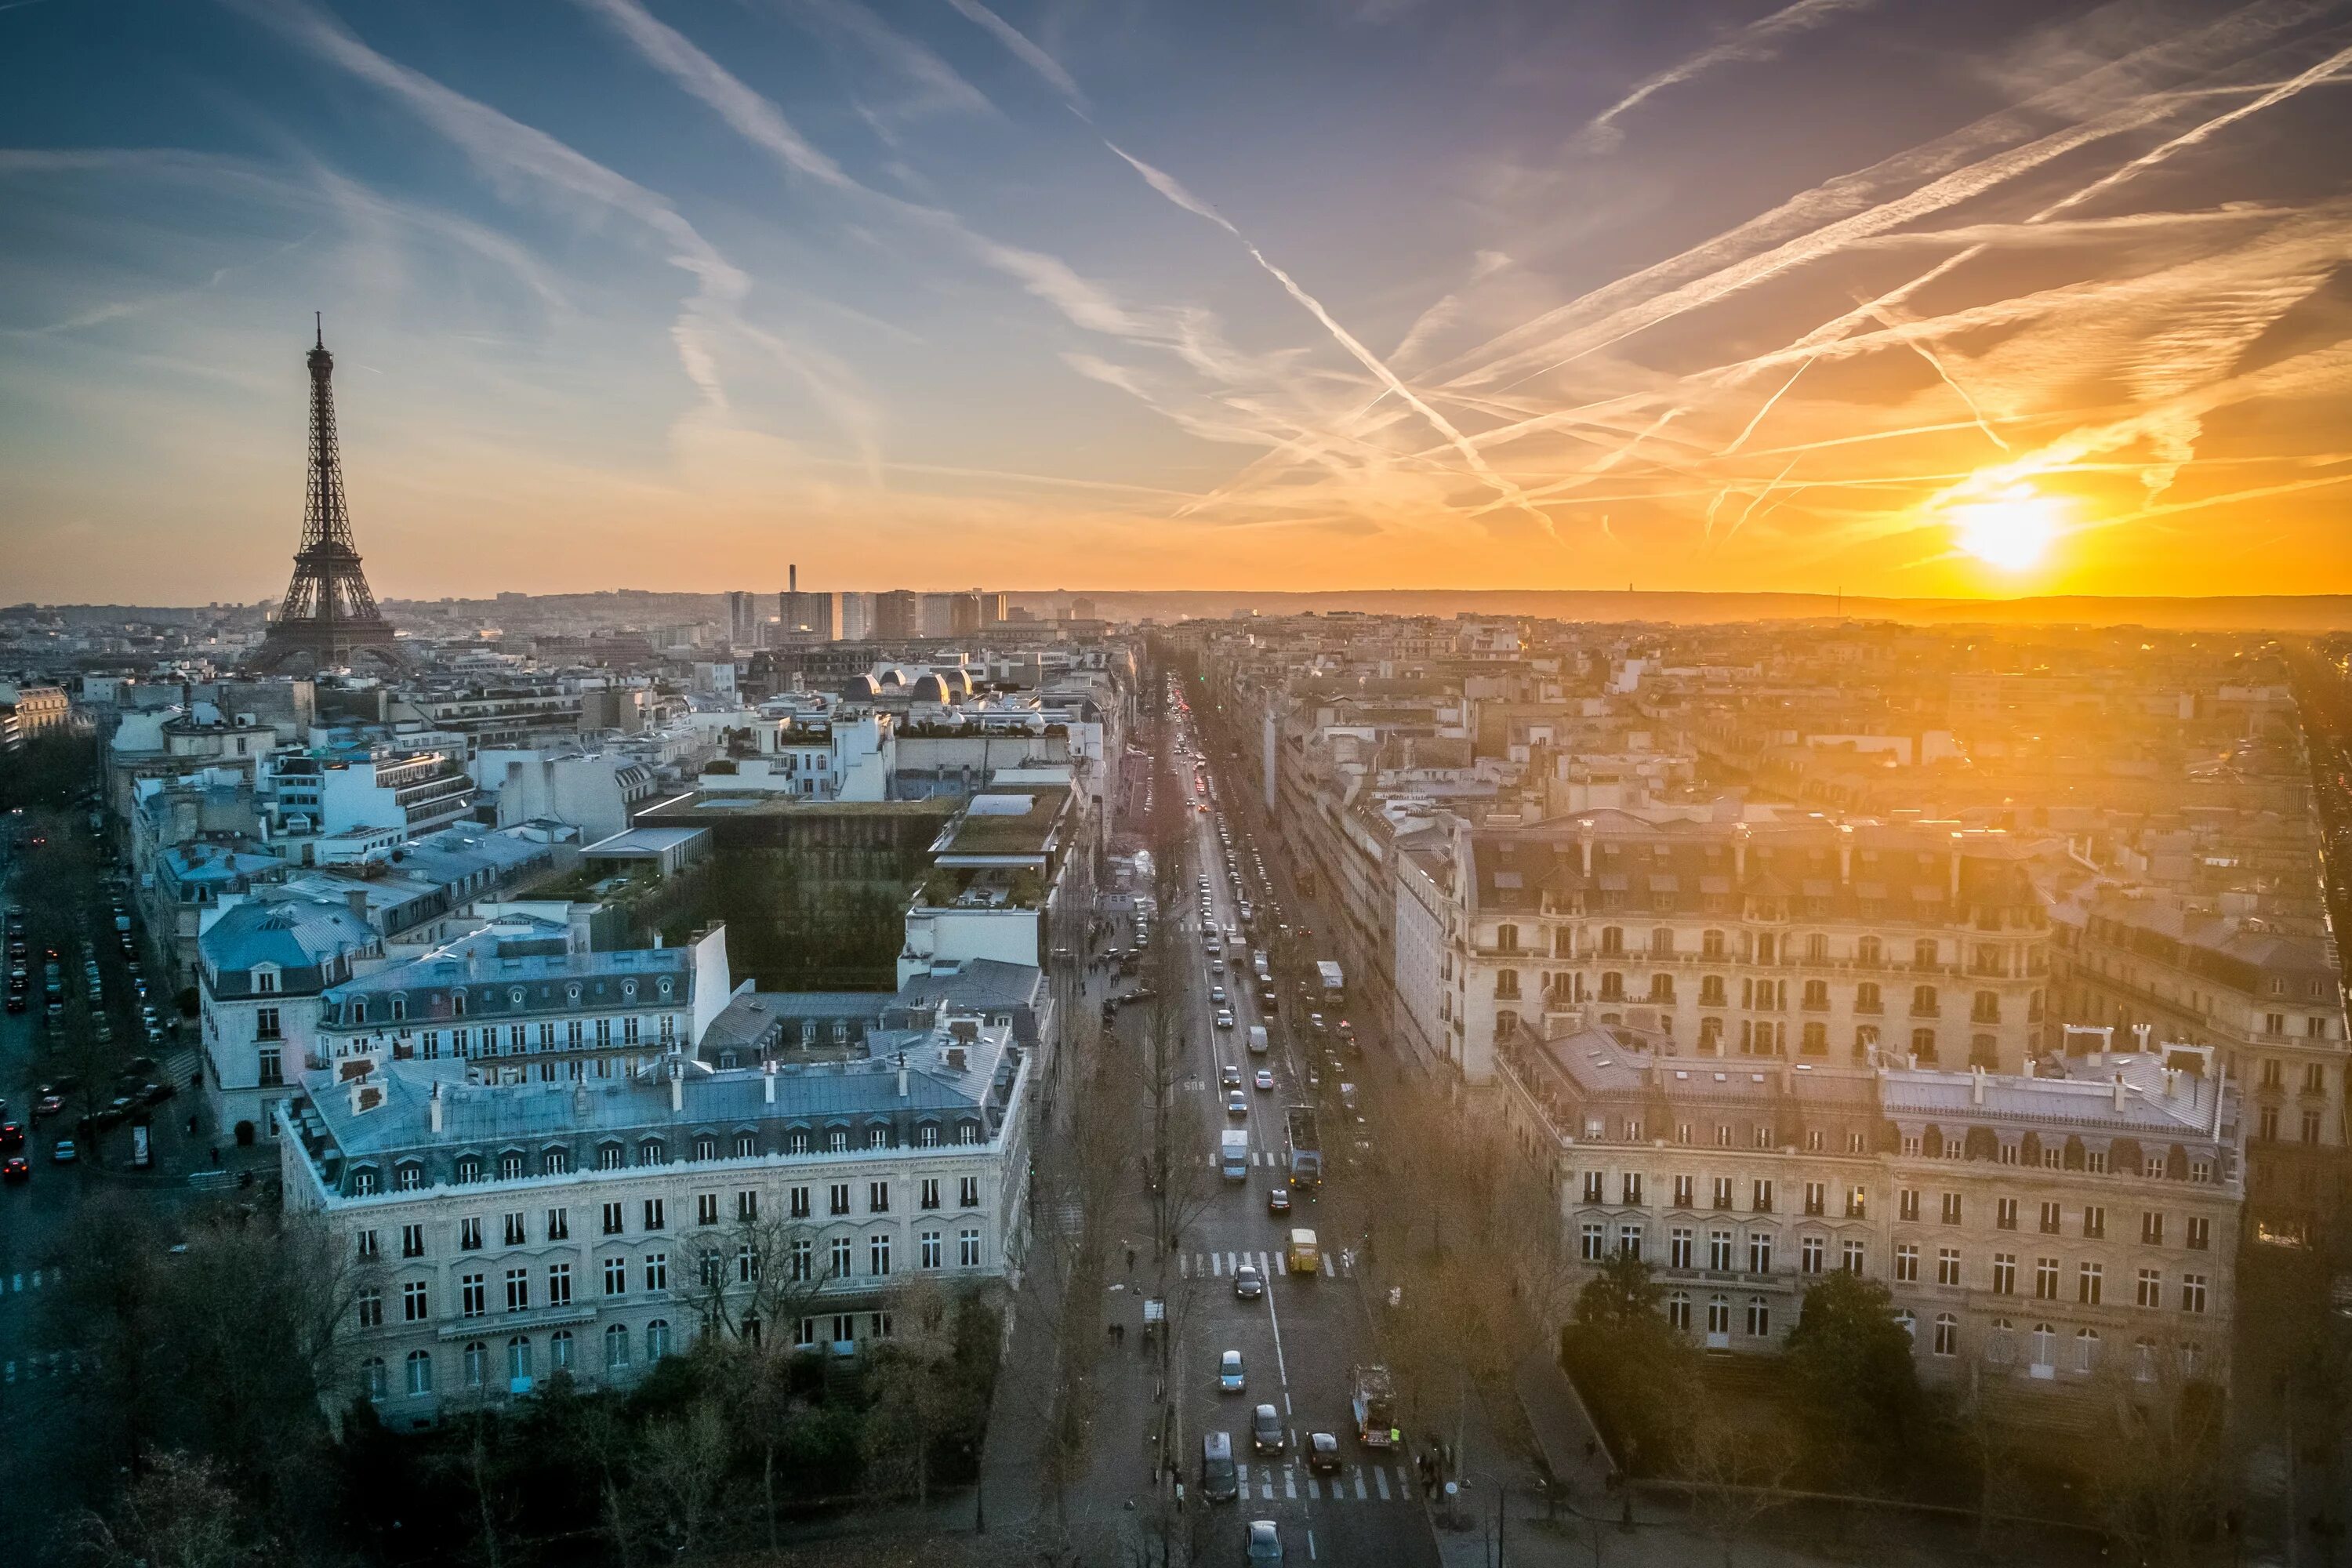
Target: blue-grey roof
[[293, 934]]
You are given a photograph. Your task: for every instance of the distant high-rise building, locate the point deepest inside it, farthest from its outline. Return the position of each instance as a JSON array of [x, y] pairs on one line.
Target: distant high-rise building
[[937, 615], [744, 620], [963, 615], [806, 617], [992, 610], [897, 615], [858, 617], [1082, 610]]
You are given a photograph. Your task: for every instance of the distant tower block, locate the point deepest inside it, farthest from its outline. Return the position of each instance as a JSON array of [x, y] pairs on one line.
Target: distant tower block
[[328, 620]]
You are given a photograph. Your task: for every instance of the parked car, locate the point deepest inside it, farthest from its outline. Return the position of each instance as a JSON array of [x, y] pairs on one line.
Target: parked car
[[11, 1135], [62, 1153], [1231, 1377]]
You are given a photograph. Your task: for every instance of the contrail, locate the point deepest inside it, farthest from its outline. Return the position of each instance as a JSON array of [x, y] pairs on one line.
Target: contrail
[[1902, 333], [1752, 42], [1742, 439], [1168, 186]]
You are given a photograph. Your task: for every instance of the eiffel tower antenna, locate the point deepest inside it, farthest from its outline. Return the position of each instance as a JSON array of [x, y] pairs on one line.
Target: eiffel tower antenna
[[328, 617]]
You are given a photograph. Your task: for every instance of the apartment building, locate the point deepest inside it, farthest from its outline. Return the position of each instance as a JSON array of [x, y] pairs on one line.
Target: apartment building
[[1807, 940], [2271, 1003], [264, 968], [506, 1229], [2030, 1225]]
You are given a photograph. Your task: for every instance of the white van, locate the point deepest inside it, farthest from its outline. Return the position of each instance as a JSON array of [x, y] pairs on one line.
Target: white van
[[1257, 1041]]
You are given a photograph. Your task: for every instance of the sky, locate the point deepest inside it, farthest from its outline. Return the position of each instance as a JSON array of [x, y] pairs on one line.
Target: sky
[[1896, 298]]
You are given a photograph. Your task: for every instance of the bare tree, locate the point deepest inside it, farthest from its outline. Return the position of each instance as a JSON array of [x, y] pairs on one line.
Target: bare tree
[[180, 1513], [2157, 1477], [911, 1397], [1735, 1474], [682, 1465]]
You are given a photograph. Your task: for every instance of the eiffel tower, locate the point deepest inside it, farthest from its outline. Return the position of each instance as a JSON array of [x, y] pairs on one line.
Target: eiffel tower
[[328, 620]]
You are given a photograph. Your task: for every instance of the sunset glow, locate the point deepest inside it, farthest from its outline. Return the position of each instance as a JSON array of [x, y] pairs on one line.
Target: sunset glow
[[1698, 295]]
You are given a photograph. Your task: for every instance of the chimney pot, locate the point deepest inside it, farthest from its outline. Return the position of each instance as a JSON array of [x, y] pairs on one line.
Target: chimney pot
[[435, 1103], [677, 1088]]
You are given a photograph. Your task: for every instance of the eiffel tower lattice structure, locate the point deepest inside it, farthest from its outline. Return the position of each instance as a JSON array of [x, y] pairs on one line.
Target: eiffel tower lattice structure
[[329, 619]]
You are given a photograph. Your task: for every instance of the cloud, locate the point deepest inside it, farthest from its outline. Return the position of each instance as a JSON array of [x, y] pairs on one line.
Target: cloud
[[1758, 40], [1022, 49]]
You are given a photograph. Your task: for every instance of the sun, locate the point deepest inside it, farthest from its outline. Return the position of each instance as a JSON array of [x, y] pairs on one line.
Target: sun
[[2011, 529]]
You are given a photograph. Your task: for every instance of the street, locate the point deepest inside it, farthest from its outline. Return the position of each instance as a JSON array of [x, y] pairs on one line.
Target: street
[[1300, 1338]]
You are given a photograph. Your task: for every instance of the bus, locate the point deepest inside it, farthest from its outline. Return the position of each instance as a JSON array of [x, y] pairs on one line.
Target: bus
[[1335, 984]]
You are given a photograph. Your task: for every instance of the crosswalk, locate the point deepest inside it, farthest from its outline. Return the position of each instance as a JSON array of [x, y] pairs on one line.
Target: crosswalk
[[56, 1364], [1257, 1156], [1223, 1265], [31, 1279], [1354, 1483]]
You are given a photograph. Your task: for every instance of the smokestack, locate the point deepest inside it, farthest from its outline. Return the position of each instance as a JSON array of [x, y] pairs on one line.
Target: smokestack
[[792, 578]]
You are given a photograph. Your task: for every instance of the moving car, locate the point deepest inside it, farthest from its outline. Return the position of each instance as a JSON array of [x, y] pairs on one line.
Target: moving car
[[1231, 1377], [1231, 1076], [1266, 1430], [1277, 1200], [1225, 1018], [15, 1170], [1265, 1080], [1220, 1481], [1236, 1105], [1323, 1453], [48, 1105], [1263, 1541], [1217, 995], [11, 1135], [1248, 1283], [62, 1153]]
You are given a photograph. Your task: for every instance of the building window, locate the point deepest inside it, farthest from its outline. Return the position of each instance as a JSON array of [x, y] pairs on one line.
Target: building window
[[371, 1379], [839, 1257], [928, 1193], [415, 1303], [1809, 1253], [1594, 1237], [2004, 1214], [1718, 1314], [1947, 1266], [2192, 1292], [968, 1193], [559, 1284], [1947, 1334], [1759, 1252], [837, 1198], [1907, 1264], [1718, 1251], [1629, 1240], [1678, 1248], [656, 1339], [476, 1363], [1678, 1312], [967, 1248], [616, 1277], [518, 1361], [803, 1256], [2200, 1233], [518, 1290], [747, 1205], [2090, 1282], [654, 1215], [370, 1308], [877, 1255], [1951, 1207], [2045, 1279], [705, 1208], [2151, 1288], [932, 1252], [1906, 1203], [1760, 1317], [616, 1348], [412, 1241], [657, 1270], [473, 1294], [420, 1374]]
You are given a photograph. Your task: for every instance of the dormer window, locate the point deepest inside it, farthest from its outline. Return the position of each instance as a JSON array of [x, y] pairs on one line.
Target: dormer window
[[514, 997], [457, 1003], [572, 994], [358, 1010], [399, 1008], [663, 985], [265, 980], [628, 990]]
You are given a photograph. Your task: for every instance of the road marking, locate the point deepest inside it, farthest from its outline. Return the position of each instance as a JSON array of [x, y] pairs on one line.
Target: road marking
[[1289, 1482], [1404, 1488], [1359, 1483], [1328, 1268], [1314, 1488], [1215, 1258], [17, 1282], [1265, 1487], [1310, 1546], [1381, 1476], [1282, 1263]]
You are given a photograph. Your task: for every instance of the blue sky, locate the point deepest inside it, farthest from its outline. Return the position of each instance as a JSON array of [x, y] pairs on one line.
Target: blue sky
[[938, 292]]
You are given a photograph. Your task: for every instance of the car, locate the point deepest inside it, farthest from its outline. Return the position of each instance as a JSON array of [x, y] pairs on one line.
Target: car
[[64, 1083], [1323, 1453], [15, 1169], [11, 1135], [1230, 1376], [1266, 1430], [1236, 1105], [1229, 1076], [1261, 1542], [114, 1111], [48, 1105], [62, 1153], [139, 1066], [1248, 1283], [1217, 995], [1277, 1200], [156, 1093], [1265, 1081], [1224, 1017]]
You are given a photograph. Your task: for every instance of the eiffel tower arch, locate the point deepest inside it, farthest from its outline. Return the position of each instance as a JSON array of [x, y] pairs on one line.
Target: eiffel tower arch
[[329, 619]]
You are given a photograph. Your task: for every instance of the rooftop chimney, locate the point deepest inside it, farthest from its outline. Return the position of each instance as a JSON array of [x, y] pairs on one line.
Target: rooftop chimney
[[1739, 852], [357, 899], [902, 1075], [1584, 843], [1977, 1084], [1845, 852], [768, 1080], [433, 1104], [1956, 867], [677, 1088], [2119, 1092]]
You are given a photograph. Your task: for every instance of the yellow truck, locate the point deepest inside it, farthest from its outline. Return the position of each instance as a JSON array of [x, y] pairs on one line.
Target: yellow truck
[[1304, 1256]]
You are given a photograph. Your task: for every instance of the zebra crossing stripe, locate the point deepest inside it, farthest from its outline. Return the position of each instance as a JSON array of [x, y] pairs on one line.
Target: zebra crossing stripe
[[1359, 1483], [1380, 1476], [1213, 1269], [1329, 1267], [1314, 1488], [1289, 1482], [1282, 1263]]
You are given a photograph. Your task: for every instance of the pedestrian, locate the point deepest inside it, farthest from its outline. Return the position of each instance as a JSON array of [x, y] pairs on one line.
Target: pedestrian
[[192, 1126], [1130, 1258], [216, 1154]]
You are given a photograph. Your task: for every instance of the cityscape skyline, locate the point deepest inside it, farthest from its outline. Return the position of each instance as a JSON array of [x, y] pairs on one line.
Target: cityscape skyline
[[1413, 299]]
